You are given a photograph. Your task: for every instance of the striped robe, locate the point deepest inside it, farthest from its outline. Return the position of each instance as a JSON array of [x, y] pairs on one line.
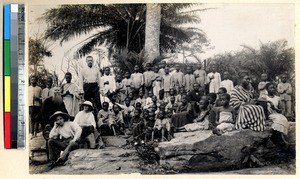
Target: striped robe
[[249, 116]]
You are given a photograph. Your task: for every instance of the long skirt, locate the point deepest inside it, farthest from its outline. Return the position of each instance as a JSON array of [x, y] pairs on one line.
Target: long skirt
[[280, 123], [252, 117]]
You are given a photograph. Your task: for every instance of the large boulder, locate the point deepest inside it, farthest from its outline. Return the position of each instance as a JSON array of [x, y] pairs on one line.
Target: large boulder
[[203, 151]]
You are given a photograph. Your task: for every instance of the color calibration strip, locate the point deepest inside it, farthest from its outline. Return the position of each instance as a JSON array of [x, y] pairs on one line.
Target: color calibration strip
[[14, 38], [6, 65]]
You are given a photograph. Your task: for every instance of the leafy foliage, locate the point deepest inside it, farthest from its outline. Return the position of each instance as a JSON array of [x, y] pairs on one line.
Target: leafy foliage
[[37, 50], [118, 26]]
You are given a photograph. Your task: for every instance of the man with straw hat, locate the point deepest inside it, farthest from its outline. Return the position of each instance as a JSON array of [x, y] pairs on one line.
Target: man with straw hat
[[63, 137]]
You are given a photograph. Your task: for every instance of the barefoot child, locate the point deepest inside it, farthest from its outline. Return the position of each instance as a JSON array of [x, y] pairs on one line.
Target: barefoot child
[[161, 127], [225, 116]]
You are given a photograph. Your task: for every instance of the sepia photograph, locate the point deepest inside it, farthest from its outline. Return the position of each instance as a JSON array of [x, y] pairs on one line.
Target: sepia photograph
[[162, 88]]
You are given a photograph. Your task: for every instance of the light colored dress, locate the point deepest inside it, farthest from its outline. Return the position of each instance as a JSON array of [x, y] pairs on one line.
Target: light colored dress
[[224, 118]]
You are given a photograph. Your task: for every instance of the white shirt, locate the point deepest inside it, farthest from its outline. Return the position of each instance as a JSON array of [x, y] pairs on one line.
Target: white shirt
[[89, 75], [228, 84], [69, 129], [85, 119]]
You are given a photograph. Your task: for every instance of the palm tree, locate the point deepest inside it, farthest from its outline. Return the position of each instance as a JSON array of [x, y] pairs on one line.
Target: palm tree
[[119, 26]]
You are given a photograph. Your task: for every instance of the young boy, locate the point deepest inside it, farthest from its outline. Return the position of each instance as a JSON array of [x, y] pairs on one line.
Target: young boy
[[166, 82], [189, 79], [200, 76], [225, 116], [141, 98], [227, 83], [161, 127], [148, 129], [128, 110], [214, 80], [137, 79], [156, 81], [178, 78], [103, 119], [262, 85], [120, 92], [148, 76], [285, 90], [116, 121], [107, 81], [127, 85]]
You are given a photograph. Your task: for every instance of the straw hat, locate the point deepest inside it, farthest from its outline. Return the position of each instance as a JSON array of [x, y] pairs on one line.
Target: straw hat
[[88, 103], [59, 113]]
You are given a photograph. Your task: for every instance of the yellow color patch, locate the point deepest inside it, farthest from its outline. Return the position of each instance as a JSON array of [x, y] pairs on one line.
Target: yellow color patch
[[7, 97]]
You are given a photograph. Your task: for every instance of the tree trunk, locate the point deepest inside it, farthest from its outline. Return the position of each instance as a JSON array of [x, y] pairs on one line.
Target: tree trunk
[[152, 32]]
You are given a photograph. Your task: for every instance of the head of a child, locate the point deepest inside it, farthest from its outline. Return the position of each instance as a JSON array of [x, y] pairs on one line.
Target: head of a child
[[116, 108], [226, 75], [162, 107], [154, 99], [161, 94], [177, 67], [167, 70], [127, 74], [130, 95], [154, 108], [138, 105], [182, 90], [137, 113], [264, 77], [172, 92], [127, 101], [284, 78], [119, 78], [107, 71], [148, 66], [136, 68], [156, 68], [203, 104], [161, 114], [105, 106], [213, 68], [224, 100], [184, 99], [33, 81], [169, 113], [199, 66], [196, 87], [212, 98], [271, 88], [141, 93], [221, 91], [162, 64], [172, 99]]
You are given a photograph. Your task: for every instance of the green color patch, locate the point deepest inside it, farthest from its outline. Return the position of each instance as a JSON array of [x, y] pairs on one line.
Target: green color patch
[[6, 58]]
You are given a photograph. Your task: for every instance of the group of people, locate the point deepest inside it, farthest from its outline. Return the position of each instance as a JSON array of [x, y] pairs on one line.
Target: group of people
[[153, 105]]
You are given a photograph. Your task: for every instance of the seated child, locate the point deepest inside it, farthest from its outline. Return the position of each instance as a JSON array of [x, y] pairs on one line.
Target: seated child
[[171, 102], [180, 94], [127, 112], [201, 122], [172, 128], [212, 99], [138, 105], [141, 99], [149, 98], [148, 126], [161, 127], [115, 121], [103, 117], [137, 123], [225, 116]]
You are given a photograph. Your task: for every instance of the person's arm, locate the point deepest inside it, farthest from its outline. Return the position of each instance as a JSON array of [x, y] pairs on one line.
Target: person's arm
[[92, 120], [235, 101], [77, 131], [233, 116], [54, 132], [99, 77]]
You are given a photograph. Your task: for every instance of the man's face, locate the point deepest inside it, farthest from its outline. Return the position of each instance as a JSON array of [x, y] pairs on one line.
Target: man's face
[[196, 87], [89, 61], [283, 79], [33, 81], [59, 121], [177, 67], [264, 77], [189, 70], [136, 68], [105, 106], [127, 75], [199, 66], [107, 71]]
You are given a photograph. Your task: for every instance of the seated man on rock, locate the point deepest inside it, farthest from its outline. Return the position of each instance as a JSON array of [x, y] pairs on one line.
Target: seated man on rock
[[63, 137], [86, 120]]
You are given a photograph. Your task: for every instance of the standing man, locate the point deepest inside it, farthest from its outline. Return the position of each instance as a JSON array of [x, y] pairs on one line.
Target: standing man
[[200, 75], [35, 102], [48, 91], [70, 94], [137, 80], [63, 137], [89, 82], [214, 80]]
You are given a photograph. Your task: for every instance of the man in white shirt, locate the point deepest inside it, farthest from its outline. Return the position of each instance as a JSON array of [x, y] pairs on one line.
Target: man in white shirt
[[214, 80], [227, 83], [89, 82], [63, 137]]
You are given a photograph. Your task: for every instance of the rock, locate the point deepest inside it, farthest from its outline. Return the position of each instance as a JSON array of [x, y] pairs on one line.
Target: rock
[[114, 141], [105, 161], [203, 151]]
